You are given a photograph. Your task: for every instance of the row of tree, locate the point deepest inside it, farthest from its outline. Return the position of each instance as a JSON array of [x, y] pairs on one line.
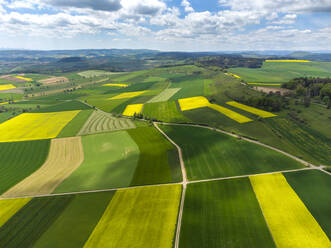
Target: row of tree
[[310, 87]]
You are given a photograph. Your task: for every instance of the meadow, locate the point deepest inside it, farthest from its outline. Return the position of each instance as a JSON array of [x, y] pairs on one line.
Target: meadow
[[223, 214], [273, 72], [209, 154], [110, 161], [164, 111]]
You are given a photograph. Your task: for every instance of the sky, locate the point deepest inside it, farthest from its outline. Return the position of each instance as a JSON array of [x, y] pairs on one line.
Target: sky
[[168, 25]]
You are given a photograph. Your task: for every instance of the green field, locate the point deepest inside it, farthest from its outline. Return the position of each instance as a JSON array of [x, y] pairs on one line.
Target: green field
[[75, 125], [157, 162], [164, 111], [110, 161], [31, 221], [164, 95], [314, 189], [75, 224], [141, 217], [223, 214], [103, 122], [209, 154], [19, 160], [283, 72], [65, 106]]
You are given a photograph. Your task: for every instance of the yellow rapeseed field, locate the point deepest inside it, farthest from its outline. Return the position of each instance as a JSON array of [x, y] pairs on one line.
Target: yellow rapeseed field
[[290, 222], [34, 126], [3, 103], [6, 87], [128, 95], [200, 102], [259, 112], [231, 114], [119, 85], [24, 78], [131, 109], [288, 60], [264, 84], [231, 74], [10, 207], [193, 103]]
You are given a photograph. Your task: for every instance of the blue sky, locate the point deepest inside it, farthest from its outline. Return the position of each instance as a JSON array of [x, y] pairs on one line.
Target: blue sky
[[185, 25]]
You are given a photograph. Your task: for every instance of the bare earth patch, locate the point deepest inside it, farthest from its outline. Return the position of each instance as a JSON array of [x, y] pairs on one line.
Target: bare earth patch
[[54, 80], [65, 156], [273, 90]]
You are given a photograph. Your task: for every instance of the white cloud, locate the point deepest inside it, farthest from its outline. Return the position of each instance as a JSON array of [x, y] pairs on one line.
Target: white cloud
[[279, 5], [187, 6]]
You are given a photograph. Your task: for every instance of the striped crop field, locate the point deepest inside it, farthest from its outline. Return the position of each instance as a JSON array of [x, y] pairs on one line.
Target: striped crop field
[[128, 95], [9, 207], [290, 222], [231, 74], [258, 112], [200, 102], [65, 156], [100, 121], [118, 85], [133, 109], [164, 95], [140, 217], [24, 78], [35, 126], [288, 60], [6, 87]]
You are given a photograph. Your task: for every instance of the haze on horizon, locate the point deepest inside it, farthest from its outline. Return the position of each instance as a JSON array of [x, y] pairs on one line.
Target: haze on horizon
[[186, 25]]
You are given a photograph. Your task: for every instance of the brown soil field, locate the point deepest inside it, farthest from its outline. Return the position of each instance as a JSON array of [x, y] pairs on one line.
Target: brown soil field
[[54, 80], [13, 79], [273, 89], [65, 156]]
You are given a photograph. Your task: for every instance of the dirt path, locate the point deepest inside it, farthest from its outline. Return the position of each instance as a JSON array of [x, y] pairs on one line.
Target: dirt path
[[64, 157]]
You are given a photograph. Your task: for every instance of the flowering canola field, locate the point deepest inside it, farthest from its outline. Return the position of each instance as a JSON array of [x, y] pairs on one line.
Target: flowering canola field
[[119, 85], [26, 79], [290, 222], [259, 112], [131, 109], [35, 126], [231, 74], [6, 87], [10, 207], [201, 101], [128, 95], [288, 60]]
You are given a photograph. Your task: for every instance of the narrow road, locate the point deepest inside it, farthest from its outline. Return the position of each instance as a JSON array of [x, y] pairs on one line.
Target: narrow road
[[184, 183]]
